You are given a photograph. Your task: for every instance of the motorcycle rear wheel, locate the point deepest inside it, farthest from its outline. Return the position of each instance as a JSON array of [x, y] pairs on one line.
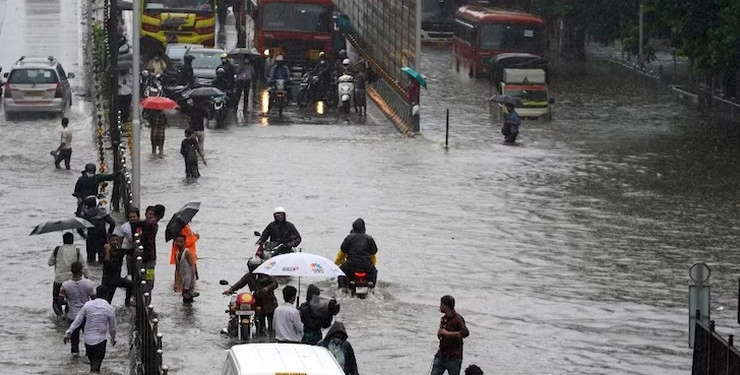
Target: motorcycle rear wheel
[[331, 100], [345, 107], [302, 98]]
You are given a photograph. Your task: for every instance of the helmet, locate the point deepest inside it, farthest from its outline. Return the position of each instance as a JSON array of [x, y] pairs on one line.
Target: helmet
[[346, 63], [343, 54], [224, 55], [145, 73], [279, 210], [279, 58], [188, 58], [253, 263], [220, 71], [322, 56]]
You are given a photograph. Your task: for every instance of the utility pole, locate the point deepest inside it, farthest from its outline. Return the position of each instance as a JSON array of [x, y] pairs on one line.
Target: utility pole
[[639, 47], [135, 121]]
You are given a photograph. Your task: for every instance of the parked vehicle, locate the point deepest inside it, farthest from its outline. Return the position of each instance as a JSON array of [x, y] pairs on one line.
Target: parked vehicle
[[176, 51], [185, 21], [241, 315], [36, 84], [151, 84], [219, 110], [523, 76], [280, 359], [205, 63]]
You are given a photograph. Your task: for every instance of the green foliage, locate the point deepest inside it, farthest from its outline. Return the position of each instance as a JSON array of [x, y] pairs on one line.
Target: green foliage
[[99, 56]]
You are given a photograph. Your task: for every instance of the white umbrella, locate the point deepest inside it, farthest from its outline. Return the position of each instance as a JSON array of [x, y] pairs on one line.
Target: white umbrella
[[299, 264]]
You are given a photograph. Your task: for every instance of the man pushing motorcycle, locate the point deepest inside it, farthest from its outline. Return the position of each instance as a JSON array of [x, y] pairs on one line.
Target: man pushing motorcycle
[[280, 231], [357, 253]]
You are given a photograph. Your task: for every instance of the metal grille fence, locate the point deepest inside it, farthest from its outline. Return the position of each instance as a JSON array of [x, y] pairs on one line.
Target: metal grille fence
[[712, 354]]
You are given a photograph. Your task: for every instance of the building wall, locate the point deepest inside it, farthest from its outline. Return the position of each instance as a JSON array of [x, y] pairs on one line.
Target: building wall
[[388, 31]]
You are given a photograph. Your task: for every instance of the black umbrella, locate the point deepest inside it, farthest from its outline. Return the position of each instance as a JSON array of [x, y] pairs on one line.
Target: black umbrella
[[180, 219], [202, 92], [507, 99], [61, 225], [252, 52]]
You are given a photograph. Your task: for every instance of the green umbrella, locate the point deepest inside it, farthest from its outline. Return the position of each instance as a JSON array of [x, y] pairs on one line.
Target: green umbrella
[[415, 75]]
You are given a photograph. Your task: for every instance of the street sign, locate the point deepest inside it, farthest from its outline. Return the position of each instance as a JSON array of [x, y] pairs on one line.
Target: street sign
[[699, 297]]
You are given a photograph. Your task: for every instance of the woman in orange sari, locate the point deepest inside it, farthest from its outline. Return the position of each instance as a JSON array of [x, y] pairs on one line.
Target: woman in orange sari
[[190, 239]]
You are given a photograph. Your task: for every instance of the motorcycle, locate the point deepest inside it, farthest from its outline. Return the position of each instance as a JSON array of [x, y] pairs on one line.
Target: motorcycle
[[346, 91], [219, 110], [309, 92], [359, 284], [241, 315], [280, 98], [151, 85], [269, 249]]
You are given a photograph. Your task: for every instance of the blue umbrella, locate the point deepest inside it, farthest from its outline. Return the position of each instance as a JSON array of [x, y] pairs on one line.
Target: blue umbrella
[[415, 75]]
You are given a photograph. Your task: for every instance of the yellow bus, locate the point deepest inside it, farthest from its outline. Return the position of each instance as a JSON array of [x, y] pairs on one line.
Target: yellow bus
[[179, 21]]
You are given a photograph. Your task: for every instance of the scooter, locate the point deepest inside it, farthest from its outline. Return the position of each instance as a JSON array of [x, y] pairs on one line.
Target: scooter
[[151, 84], [359, 285], [218, 110], [346, 91], [241, 315], [280, 98]]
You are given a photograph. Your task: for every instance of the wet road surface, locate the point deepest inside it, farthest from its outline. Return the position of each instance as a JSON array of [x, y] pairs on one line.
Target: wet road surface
[[567, 254]]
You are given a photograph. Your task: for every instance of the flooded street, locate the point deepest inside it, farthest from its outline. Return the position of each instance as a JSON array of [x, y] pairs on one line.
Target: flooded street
[[567, 254]]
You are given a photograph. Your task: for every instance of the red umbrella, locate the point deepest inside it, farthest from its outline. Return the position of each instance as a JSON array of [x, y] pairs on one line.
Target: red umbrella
[[158, 103]]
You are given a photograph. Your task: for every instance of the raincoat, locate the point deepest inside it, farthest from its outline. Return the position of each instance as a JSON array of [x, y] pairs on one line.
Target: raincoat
[[313, 322], [341, 348]]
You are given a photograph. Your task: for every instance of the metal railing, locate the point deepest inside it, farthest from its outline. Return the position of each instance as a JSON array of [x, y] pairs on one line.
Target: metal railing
[[713, 355], [146, 349]]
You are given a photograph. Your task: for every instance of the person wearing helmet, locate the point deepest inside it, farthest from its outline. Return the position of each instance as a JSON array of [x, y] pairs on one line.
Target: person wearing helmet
[[281, 231], [229, 68], [339, 64], [263, 289], [324, 71], [279, 71], [186, 76], [356, 253], [221, 82]]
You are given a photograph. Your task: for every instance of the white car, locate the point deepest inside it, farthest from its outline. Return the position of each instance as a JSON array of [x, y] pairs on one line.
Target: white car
[[271, 359], [37, 84]]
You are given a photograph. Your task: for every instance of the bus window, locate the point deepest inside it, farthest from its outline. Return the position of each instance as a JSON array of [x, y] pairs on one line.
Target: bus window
[[465, 32], [514, 38]]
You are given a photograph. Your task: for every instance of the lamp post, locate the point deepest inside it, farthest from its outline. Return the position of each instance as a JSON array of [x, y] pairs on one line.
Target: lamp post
[[135, 121]]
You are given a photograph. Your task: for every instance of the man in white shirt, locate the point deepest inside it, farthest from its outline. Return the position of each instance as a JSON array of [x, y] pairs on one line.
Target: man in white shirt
[[127, 235], [62, 258], [76, 291], [100, 319], [64, 151], [288, 325], [125, 92]]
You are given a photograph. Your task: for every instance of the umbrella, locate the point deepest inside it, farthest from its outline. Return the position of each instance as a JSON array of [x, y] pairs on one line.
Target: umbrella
[[158, 103], [507, 99], [415, 75], [203, 92], [244, 52], [180, 219], [299, 264], [60, 225]]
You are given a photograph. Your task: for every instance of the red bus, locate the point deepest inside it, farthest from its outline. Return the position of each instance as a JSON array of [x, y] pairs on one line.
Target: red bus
[[297, 29], [482, 32]]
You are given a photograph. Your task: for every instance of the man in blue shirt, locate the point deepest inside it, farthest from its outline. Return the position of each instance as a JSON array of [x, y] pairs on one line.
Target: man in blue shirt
[[511, 125]]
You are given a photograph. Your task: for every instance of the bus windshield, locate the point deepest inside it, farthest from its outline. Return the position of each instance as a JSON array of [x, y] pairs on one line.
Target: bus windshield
[[528, 95], [511, 37], [296, 17], [192, 5]]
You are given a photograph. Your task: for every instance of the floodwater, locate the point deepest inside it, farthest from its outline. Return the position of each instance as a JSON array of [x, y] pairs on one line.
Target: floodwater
[[567, 254]]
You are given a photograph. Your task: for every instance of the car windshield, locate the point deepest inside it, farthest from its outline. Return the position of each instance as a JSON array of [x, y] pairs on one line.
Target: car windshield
[[201, 5], [529, 95], [176, 53], [206, 60], [307, 18], [28, 76], [511, 37]]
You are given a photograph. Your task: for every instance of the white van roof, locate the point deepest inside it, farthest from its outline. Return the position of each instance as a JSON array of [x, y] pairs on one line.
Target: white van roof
[[276, 359]]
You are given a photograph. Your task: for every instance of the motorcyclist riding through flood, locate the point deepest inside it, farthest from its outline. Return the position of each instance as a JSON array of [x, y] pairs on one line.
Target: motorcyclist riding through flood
[[280, 231], [280, 71], [357, 252]]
